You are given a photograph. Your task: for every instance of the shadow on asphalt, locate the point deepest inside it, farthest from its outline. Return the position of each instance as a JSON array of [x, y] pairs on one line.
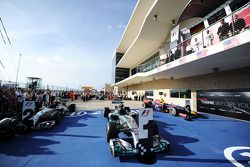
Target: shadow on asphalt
[[27, 146], [30, 145], [177, 143]]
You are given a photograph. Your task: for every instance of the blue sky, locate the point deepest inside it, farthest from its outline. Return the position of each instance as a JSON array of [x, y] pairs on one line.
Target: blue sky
[[65, 42]]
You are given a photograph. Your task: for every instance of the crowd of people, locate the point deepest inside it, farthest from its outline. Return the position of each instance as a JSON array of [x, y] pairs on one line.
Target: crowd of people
[[11, 99], [224, 31]]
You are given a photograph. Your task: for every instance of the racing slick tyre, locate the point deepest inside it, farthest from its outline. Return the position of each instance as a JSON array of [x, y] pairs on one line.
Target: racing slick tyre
[[187, 117], [72, 108], [106, 112], [173, 111], [188, 108], [112, 131], [113, 152], [58, 118]]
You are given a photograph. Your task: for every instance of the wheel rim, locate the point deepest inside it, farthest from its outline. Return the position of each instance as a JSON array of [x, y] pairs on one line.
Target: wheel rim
[[112, 151], [173, 111]]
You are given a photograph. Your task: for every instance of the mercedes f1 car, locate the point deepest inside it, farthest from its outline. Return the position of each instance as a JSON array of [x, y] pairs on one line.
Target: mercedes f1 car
[[46, 118], [144, 133]]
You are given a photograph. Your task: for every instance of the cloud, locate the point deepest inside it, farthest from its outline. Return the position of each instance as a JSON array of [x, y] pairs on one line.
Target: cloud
[[109, 27], [118, 26]]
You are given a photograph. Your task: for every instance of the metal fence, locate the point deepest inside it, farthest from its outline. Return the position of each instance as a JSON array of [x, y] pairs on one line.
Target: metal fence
[[11, 84]]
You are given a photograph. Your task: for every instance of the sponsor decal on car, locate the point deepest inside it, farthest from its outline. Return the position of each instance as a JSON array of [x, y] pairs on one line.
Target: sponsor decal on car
[[145, 116]]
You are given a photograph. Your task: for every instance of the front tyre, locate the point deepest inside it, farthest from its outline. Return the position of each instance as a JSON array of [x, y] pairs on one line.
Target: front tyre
[[114, 153], [106, 112], [112, 131]]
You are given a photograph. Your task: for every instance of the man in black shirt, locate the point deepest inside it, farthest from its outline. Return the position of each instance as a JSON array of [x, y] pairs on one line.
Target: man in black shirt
[[223, 30], [177, 53], [238, 23]]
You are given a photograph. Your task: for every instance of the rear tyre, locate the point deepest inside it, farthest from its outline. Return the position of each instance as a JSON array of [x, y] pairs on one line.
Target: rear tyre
[[188, 108], [58, 118], [173, 111], [112, 131], [72, 108], [187, 117], [106, 112]]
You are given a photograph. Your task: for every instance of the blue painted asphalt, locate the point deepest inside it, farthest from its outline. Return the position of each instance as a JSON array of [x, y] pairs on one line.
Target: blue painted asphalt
[[81, 141]]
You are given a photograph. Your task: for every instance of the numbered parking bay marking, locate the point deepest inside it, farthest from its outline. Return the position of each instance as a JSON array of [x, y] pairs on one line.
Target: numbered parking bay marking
[[228, 152], [77, 114]]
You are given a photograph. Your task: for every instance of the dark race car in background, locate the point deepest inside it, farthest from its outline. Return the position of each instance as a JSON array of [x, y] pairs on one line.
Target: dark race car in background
[[174, 110], [185, 112]]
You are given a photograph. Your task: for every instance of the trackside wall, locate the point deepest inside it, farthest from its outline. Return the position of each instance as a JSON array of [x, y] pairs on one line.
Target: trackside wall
[[233, 79]]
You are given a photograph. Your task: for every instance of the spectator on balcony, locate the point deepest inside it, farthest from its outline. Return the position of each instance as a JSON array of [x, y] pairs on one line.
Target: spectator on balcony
[[223, 30], [177, 53], [209, 38], [171, 56], [167, 58], [237, 25], [196, 46], [162, 61], [189, 48]]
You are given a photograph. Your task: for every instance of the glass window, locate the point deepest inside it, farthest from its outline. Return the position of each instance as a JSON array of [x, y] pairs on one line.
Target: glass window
[[174, 93], [180, 93], [185, 93], [149, 93]]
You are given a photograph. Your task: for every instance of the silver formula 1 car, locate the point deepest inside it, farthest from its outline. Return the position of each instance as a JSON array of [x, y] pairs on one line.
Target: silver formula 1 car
[[46, 118], [144, 133]]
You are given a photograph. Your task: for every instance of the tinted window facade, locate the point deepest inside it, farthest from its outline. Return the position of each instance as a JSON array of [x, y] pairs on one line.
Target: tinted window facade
[[149, 93], [180, 93], [121, 74]]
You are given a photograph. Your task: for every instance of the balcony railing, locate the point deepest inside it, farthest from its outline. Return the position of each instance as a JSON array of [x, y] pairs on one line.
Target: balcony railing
[[233, 24]]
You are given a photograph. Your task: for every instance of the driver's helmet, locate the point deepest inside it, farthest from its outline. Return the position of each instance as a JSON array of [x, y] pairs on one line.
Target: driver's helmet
[[121, 106]]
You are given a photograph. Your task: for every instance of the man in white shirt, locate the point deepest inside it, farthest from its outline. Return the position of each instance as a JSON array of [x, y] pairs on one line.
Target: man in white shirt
[[196, 46], [19, 96]]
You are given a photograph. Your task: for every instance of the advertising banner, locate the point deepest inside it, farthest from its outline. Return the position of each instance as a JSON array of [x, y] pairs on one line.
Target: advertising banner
[[175, 33], [231, 103]]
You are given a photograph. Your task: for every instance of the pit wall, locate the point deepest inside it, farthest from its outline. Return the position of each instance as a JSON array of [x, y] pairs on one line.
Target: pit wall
[[234, 79]]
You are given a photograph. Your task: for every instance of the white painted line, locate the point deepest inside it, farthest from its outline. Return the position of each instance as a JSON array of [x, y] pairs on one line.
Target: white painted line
[[77, 114], [228, 152]]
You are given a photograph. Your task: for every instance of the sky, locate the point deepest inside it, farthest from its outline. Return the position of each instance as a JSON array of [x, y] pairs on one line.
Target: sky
[[68, 43]]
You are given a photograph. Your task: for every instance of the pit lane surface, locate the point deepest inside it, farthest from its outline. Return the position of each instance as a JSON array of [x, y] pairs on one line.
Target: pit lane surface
[[81, 141]]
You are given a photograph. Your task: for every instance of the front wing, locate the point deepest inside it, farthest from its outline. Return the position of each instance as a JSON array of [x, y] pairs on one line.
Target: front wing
[[123, 148]]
